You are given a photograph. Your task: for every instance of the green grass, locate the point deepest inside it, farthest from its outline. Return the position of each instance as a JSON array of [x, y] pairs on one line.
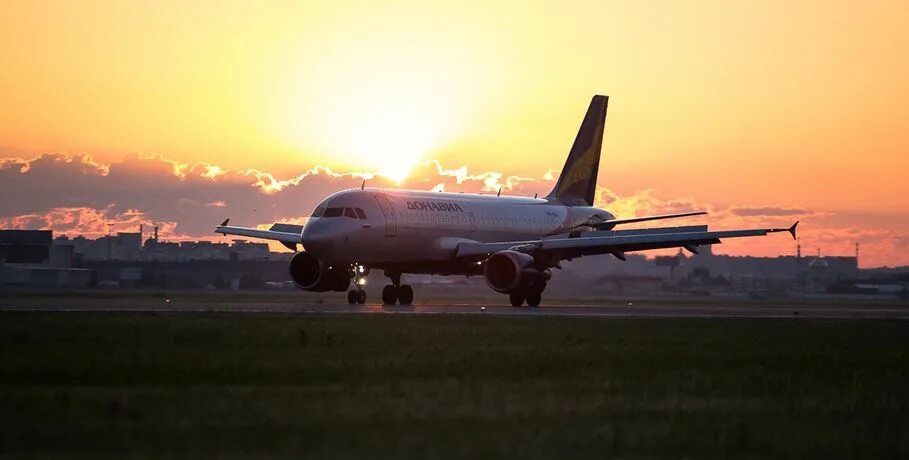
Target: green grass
[[393, 386]]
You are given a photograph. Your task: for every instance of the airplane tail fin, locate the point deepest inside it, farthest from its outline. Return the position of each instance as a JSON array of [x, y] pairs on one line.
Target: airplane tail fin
[[578, 182]]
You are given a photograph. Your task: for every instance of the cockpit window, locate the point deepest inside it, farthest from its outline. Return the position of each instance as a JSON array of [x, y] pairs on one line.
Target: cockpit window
[[333, 212], [353, 213]]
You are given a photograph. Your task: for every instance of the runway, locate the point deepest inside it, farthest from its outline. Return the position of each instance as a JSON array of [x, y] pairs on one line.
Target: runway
[[631, 310]]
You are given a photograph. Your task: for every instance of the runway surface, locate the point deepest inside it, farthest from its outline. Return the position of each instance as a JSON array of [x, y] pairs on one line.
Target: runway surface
[[615, 311]]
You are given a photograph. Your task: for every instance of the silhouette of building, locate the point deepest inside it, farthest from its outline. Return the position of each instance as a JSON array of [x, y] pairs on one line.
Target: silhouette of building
[[35, 258], [29, 258], [122, 246], [25, 246], [794, 272], [128, 247]]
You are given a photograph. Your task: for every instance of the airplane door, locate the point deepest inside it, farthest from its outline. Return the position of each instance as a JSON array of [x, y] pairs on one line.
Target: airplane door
[[473, 222], [391, 220]]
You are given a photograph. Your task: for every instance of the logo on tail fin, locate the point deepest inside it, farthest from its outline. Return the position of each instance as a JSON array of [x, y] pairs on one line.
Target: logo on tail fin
[[577, 183]]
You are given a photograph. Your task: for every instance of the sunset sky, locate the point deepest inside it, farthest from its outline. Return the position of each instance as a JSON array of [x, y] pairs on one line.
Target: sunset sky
[[181, 112]]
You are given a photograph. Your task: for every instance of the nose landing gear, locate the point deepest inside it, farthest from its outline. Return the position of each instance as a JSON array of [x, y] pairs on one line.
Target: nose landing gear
[[396, 292], [357, 295]]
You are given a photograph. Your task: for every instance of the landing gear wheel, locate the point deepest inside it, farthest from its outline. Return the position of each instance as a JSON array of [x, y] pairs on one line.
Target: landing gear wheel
[[389, 295], [534, 298], [351, 297], [516, 299], [405, 294], [361, 297]]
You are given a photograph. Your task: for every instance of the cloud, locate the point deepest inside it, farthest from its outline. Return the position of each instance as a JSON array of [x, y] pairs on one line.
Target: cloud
[[645, 202], [195, 197], [211, 171], [76, 195], [268, 183], [769, 211], [431, 175], [89, 222]]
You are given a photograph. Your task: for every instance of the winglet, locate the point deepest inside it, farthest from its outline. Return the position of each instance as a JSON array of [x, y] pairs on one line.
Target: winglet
[[225, 222], [790, 230]]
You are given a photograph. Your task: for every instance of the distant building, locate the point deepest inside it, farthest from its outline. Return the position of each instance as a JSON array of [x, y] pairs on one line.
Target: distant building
[[35, 258], [796, 272], [128, 247], [29, 258], [122, 246], [249, 251], [189, 251], [25, 246]]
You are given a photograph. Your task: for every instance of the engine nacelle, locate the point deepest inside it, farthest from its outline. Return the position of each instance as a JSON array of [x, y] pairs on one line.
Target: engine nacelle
[[509, 271], [311, 274]]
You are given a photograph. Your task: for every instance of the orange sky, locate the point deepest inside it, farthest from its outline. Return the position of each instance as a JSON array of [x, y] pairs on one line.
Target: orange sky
[[802, 104]]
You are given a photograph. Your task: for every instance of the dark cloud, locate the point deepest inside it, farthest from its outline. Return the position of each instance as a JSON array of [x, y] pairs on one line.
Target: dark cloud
[[196, 197], [768, 211], [902, 241], [76, 195]]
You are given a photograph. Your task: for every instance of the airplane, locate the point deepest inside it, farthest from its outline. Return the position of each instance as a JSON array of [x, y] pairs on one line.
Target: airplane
[[513, 242]]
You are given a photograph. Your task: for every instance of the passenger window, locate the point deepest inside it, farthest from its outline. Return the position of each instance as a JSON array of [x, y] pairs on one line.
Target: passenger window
[[349, 212], [360, 213], [333, 212]]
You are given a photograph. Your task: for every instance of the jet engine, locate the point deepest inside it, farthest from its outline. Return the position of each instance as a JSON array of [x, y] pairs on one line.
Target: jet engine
[[311, 274], [510, 271]]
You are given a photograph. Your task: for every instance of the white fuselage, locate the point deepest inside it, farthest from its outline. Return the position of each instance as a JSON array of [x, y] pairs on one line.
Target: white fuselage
[[404, 226]]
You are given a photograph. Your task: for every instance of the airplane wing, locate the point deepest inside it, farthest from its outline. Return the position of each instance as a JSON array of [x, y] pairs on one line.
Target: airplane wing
[[288, 234], [618, 243]]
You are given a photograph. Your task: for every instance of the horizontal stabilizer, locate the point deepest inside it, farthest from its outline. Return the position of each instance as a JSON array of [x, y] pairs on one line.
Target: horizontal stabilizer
[[631, 220], [610, 224]]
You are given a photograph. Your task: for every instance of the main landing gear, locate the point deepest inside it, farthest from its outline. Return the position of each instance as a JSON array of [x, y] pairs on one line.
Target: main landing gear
[[533, 295], [396, 292], [357, 295]]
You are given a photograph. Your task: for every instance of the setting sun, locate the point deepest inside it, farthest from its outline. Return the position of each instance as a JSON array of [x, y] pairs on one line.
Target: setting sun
[[377, 105], [384, 124], [398, 137], [388, 138]]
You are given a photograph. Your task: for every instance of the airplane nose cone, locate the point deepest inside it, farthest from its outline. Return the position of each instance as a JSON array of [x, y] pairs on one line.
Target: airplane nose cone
[[316, 240]]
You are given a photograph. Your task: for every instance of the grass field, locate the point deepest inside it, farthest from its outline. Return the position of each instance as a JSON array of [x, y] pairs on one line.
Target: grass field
[[392, 386]]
